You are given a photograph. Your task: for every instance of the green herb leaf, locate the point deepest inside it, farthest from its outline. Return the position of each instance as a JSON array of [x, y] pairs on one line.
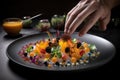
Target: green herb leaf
[[29, 49]]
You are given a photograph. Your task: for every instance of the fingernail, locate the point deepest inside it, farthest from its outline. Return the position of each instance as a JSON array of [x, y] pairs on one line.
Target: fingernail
[[65, 31], [80, 35], [68, 32], [104, 28]]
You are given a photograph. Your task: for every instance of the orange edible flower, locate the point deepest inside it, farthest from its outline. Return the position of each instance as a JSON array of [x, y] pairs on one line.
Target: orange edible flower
[[54, 59], [73, 59], [32, 54]]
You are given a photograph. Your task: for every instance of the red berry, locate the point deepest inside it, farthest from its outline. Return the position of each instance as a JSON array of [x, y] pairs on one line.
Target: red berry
[[43, 51], [64, 57], [82, 52]]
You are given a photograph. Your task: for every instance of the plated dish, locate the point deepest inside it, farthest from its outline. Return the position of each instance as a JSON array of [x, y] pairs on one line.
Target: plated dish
[[59, 52], [59, 57]]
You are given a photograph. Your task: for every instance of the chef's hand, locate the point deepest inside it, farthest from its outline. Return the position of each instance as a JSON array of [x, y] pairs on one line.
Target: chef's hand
[[91, 11]]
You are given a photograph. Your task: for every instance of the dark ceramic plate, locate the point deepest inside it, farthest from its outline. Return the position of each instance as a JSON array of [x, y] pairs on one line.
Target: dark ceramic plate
[[106, 49]]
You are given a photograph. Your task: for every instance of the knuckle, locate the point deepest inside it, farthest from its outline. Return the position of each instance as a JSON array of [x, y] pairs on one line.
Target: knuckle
[[96, 3], [73, 15], [69, 13], [79, 17]]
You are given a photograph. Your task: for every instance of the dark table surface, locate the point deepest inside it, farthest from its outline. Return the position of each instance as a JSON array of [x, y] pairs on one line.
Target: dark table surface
[[11, 71]]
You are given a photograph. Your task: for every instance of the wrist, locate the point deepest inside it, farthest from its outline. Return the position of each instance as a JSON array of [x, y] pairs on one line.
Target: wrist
[[111, 3]]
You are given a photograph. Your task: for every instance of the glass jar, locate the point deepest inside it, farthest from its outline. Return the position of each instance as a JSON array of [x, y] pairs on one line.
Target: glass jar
[[12, 26], [43, 25]]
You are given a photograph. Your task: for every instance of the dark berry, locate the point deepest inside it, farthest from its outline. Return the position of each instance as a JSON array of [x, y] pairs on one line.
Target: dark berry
[[78, 44], [67, 49], [46, 63], [57, 39], [31, 58], [49, 39], [25, 54], [64, 60], [78, 61], [48, 49], [32, 47], [50, 43], [57, 63]]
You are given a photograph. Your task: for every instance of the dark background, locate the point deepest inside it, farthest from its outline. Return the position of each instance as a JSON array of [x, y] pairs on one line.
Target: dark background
[[20, 8]]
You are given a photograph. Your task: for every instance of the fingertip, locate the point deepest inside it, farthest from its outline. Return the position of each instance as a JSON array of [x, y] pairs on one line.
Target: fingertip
[[102, 27], [68, 32], [64, 31], [81, 34]]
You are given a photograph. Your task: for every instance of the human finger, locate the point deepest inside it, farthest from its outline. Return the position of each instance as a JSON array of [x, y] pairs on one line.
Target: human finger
[[81, 3], [82, 16], [73, 13], [104, 22], [92, 20]]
